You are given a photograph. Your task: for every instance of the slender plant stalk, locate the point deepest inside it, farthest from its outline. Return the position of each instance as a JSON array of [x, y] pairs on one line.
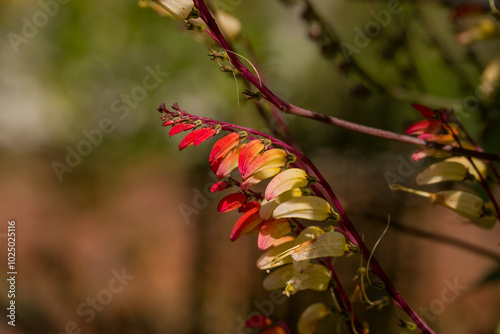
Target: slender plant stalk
[[344, 222], [322, 187], [294, 110], [436, 237]]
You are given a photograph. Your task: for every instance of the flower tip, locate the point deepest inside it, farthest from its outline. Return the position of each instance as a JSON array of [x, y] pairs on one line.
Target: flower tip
[[219, 186], [426, 112]]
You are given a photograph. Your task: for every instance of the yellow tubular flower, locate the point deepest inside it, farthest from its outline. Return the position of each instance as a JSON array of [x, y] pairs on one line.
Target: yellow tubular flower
[[179, 9]]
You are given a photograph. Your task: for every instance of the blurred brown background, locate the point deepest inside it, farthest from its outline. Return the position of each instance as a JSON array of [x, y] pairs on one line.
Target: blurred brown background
[[103, 246]]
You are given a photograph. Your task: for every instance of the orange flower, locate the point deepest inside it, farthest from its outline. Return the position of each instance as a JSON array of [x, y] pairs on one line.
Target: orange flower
[[226, 164], [250, 220], [248, 153], [434, 130]]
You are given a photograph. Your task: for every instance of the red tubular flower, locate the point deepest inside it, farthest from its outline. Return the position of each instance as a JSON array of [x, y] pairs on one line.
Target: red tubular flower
[[231, 202], [274, 158], [426, 112], [248, 153], [168, 123], [225, 165], [219, 186], [196, 137], [271, 231], [223, 146], [250, 220], [434, 130], [179, 128]]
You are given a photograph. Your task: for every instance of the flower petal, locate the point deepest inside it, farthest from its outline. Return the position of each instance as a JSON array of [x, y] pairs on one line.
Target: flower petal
[[269, 259], [189, 139], [271, 231], [231, 202], [223, 146], [306, 207], [269, 159], [219, 186], [280, 254], [246, 223], [441, 172], [227, 163], [425, 152], [463, 203], [267, 207], [426, 126], [204, 135], [426, 112], [255, 178], [481, 166], [329, 244], [248, 153], [314, 277], [179, 9], [286, 180], [179, 128]]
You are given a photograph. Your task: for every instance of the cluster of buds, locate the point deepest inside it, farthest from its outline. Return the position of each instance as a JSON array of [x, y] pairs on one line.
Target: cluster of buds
[[241, 160], [438, 126]]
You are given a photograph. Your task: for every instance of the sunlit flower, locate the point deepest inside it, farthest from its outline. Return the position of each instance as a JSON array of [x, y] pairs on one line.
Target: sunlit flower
[[434, 130], [465, 204], [313, 277], [179, 9]]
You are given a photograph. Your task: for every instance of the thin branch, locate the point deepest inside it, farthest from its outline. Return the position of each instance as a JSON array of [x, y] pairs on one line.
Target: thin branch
[[436, 237], [292, 109]]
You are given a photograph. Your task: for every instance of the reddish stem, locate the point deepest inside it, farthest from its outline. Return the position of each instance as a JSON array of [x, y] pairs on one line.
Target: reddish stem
[[323, 189], [292, 109]]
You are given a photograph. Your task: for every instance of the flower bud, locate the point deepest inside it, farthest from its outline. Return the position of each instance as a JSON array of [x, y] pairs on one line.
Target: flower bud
[[465, 204], [179, 9]]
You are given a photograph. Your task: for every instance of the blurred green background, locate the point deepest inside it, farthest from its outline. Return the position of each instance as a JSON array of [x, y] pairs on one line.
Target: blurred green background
[[97, 188]]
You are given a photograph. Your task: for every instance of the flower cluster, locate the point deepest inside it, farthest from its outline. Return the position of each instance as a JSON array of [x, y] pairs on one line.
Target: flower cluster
[[276, 213], [439, 126]]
